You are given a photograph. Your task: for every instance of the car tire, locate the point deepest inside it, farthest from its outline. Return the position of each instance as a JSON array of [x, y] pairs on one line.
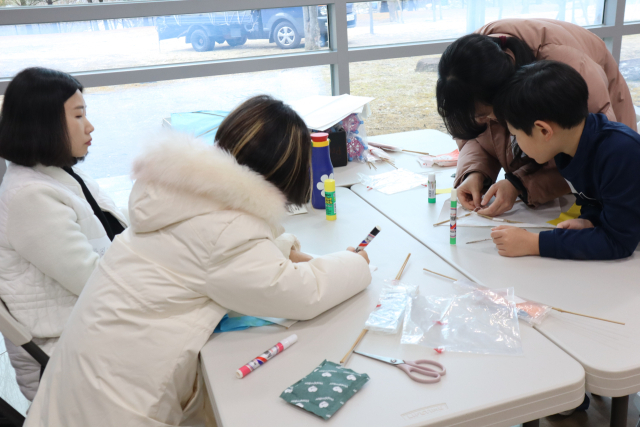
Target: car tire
[[286, 36], [238, 41], [201, 42]]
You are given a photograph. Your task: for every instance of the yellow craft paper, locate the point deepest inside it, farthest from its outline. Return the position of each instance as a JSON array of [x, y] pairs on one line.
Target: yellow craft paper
[[443, 191], [572, 213]]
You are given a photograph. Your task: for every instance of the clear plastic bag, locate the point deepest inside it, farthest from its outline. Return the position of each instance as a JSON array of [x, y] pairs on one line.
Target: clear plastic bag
[[394, 181], [472, 320], [529, 311], [386, 318], [444, 160], [356, 137]]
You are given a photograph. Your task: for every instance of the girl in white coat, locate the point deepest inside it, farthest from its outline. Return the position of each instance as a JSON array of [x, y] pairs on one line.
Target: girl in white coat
[[204, 240], [55, 223]]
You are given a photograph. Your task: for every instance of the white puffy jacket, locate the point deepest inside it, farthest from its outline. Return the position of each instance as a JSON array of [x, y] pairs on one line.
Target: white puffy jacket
[[203, 241], [50, 243]]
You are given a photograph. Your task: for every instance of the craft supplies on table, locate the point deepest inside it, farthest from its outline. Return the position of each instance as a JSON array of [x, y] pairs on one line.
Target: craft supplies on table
[[425, 374], [394, 181], [520, 215], [431, 185], [266, 356], [453, 217], [368, 239], [325, 390], [330, 199]]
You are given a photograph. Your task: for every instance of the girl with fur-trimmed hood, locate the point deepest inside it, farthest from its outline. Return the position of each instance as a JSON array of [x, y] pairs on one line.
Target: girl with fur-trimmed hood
[[204, 240]]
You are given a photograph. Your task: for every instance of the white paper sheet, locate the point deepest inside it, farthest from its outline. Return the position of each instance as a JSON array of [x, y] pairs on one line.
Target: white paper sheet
[[321, 112], [527, 217]]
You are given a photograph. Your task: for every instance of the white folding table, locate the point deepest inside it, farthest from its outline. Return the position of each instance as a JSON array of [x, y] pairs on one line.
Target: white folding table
[[608, 352], [478, 390]]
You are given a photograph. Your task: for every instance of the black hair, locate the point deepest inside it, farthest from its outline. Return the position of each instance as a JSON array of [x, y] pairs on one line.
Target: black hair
[[268, 136], [548, 91], [33, 125], [472, 69]]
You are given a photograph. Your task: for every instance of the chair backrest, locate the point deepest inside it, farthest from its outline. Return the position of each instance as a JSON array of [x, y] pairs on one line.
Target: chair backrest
[[11, 329]]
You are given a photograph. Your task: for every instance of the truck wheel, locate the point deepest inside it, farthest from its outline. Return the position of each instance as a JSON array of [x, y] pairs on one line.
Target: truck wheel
[[286, 36], [238, 41], [201, 42]]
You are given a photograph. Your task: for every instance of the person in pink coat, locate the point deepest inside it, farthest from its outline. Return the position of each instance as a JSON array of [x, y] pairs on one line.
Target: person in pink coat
[[476, 66]]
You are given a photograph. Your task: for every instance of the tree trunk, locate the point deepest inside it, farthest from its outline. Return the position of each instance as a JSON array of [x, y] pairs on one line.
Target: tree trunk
[[311, 28], [393, 10]]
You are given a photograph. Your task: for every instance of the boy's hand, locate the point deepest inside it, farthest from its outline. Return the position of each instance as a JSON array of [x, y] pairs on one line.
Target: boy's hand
[[470, 191], [575, 224], [513, 241], [506, 195], [297, 256], [362, 253]]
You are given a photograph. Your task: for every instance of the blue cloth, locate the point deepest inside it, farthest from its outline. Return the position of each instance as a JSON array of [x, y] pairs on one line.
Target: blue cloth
[[228, 324], [604, 175], [203, 124]]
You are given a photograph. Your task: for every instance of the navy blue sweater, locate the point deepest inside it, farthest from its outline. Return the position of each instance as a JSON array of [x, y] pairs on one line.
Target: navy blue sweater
[[604, 175]]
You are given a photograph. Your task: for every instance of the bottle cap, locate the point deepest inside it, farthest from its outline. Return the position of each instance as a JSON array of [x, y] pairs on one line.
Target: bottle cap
[[330, 185], [287, 342], [454, 195], [319, 136], [431, 176]]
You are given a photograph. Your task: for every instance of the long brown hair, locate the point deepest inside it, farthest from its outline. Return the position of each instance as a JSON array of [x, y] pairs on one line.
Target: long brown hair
[[268, 136]]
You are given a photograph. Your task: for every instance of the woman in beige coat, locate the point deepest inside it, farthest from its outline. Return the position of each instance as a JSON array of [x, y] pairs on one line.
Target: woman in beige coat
[[471, 71], [204, 239]]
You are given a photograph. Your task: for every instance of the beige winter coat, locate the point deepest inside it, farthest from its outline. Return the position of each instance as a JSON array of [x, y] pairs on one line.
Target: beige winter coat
[[202, 242], [608, 94]]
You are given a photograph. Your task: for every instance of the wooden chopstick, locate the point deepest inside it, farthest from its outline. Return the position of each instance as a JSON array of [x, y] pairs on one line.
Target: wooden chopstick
[[450, 278], [364, 331], [447, 220], [478, 241], [417, 152], [584, 315]]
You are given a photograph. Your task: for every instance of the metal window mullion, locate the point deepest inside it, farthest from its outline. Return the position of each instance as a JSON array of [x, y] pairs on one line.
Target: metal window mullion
[[339, 43], [613, 19], [195, 70], [376, 53], [100, 11]]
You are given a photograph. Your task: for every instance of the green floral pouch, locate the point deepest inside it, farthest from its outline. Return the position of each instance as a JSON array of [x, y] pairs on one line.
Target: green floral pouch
[[325, 390]]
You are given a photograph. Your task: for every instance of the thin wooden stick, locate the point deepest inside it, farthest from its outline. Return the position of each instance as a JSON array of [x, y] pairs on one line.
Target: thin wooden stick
[[584, 315], [447, 220], [450, 278], [399, 275], [510, 221], [478, 241], [364, 331], [417, 152], [353, 347]]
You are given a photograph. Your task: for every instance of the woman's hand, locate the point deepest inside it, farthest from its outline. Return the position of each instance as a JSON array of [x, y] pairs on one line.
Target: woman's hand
[[513, 241], [470, 191], [362, 253], [297, 256], [575, 224], [506, 195]]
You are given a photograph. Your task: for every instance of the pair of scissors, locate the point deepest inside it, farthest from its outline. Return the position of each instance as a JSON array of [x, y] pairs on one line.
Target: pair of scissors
[[428, 375]]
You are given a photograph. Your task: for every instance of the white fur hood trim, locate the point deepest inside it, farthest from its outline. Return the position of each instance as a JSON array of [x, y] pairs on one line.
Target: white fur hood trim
[[181, 166]]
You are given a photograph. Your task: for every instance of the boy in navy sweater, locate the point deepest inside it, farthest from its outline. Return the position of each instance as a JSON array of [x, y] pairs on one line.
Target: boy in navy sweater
[[545, 107]]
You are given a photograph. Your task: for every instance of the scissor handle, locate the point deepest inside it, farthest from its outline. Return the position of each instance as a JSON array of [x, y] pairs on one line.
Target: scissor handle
[[422, 362], [426, 375]]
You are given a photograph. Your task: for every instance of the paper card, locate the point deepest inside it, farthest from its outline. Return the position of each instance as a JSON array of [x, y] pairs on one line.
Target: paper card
[[527, 217], [296, 210]]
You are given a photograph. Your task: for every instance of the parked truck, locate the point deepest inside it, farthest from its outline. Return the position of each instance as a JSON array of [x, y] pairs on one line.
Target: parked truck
[[282, 26]]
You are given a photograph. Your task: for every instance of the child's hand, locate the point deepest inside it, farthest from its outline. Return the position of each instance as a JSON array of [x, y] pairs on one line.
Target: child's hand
[[470, 191], [513, 241], [362, 253], [506, 195], [575, 224], [297, 256]]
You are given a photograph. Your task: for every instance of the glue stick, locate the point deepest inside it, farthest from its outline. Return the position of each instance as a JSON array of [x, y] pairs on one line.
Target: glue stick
[[453, 214], [330, 199], [431, 185]]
